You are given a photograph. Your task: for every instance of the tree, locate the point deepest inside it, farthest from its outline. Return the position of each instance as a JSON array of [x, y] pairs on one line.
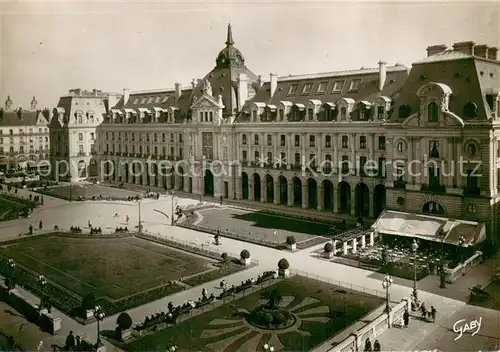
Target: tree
[[290, 240], [124, 321], [283, 264], [88, 302], [273, 297], [245, 254], [328, 247]]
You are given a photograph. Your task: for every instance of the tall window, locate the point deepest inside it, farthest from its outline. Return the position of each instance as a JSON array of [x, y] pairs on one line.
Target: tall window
[[245, 156], [381, 167], [362, 142], [312, 141], [381, 142], [472, 182], [297, 159], [269, 139], [362, 165], [256, 139], [432, 112], [345, 142], [282, 140], [269, 160], [297, 140], [345, 164], [244, 139], [312, 160], [328, 141], [256, 156], [434, 177]]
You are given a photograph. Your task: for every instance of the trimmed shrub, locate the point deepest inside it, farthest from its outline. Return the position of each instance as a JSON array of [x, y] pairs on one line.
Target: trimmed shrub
[[88, 302], [290, 240], [245, 254], [224, 257], [328, 247], [283, 264], [124, 321]]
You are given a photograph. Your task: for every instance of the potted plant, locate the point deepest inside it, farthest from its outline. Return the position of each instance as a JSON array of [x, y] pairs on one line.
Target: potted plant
[[124, 322], [245, 257], [328, 253], [290, 240], [283, 268], [88, 304]]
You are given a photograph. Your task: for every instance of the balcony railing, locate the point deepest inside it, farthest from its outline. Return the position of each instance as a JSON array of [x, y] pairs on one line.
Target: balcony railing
[[434, 188], [472, 191], [400, 184]]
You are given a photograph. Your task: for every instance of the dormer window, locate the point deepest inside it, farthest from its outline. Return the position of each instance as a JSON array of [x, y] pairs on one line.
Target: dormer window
[[281, 115], [432, 112], [380, 112], [157, 100], [470, 111], [343, 113], [293, 89], [307, 89], [338, 86], [404, 111], [321, 88], [254, 115], [354, 85], [327, 112], [150, 100], [165, 98], [310, 114]]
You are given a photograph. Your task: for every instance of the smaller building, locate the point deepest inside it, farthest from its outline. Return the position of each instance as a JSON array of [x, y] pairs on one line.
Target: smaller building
[[24, 136], [73, 133]]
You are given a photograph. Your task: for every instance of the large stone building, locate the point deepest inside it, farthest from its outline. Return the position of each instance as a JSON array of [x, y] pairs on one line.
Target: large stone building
[[73, 133], [24, 136], [304, 140]]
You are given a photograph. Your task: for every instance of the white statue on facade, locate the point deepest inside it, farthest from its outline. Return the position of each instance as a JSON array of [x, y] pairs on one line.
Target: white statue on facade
[[207, 87]]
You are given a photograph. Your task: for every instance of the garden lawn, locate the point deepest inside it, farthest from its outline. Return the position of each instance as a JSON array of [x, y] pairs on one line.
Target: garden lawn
[[262, 225], [9, 208], [122, 272], [493, 301], [328, 308], [87, 191]]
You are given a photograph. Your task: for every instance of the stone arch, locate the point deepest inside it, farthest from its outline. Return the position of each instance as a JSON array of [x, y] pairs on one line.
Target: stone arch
[[109, 170], [92, 168], [327, 194], [344, 194], [125, 176], [244, 185], [297, 191], [433, 207], [256, 186], [173, 176], [283, 189], [209, 182], [362, 194], [156, 175], [379, 200], [181, 177], [269, 188], [312, 193], [62, 169], [82, 169]]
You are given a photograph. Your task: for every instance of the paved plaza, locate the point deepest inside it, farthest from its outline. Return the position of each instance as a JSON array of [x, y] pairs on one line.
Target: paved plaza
[[422, 336]]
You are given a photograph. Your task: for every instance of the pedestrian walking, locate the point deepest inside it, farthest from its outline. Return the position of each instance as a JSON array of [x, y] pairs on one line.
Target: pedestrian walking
[[433, 314], [127, 218], [376, 346], [368, 345], [40, 225], [406, 318], [423, 309], [70, 341]]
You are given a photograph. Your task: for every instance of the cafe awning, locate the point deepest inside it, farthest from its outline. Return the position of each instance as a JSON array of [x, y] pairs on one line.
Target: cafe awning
[[430, 228]]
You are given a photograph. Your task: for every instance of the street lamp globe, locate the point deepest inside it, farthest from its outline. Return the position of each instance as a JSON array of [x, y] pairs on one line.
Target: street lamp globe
[[266, 347], [271, 349], [12, 264], [414, 246]]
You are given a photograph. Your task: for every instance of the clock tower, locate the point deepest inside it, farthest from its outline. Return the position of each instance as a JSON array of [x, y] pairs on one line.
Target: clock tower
[[230, 56]]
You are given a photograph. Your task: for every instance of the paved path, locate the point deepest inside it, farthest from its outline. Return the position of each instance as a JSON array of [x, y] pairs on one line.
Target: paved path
[[304, 261]]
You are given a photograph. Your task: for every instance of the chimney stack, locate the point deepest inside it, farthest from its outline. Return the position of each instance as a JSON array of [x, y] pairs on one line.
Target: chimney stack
[[481, 51], [273, 83], [126, 95], [492, 53], [8, 103], [193, 83], [464, 47], [436, 49], [94, 91], [242, 90], [34, 104], [178, 91], [382, 74]]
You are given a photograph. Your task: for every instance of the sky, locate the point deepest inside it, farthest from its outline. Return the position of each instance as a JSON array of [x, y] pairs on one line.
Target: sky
[[49, 48]]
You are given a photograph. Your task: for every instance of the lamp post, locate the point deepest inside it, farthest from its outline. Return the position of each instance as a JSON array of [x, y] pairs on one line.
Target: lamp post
[[139, 228], [461, 242], [414, 247], [386, 283], [172, 194], [268, 347], [99, 315], [43, 283], [70, 189], [172, 348], [11, 279]]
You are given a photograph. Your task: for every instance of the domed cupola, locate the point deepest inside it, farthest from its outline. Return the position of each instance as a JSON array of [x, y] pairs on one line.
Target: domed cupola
[[230, 56]]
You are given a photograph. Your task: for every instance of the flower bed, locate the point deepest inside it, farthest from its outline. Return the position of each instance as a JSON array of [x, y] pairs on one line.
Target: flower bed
[[225, 269]]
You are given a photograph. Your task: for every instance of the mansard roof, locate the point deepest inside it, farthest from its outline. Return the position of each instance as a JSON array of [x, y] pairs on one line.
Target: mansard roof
[[468, 77], [21, 118], [321, 87], [160, 98]]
